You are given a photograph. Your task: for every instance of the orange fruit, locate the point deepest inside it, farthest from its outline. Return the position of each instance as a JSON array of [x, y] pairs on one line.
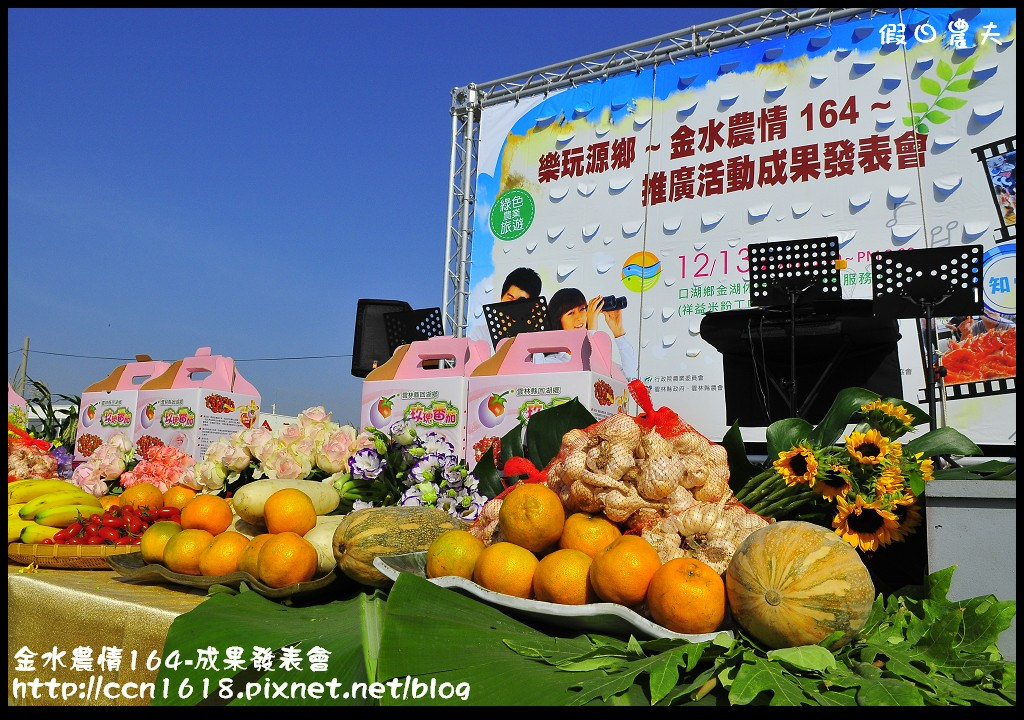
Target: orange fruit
[[687, 596], [588, 533], [248, 560], [622, 571], [532, 516], [142, 495], [184, 550], [221, 556], [207, 512], [289, 510], [285, 559], [564, 577], [155, 538], [454, 553], [506, 568], [178, 496], [109, 501]]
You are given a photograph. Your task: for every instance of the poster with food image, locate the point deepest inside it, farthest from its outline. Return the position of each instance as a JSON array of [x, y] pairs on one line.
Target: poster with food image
[[890, 131]]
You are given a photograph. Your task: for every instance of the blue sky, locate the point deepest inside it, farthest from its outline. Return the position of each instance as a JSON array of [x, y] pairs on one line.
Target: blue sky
[[240, 178]]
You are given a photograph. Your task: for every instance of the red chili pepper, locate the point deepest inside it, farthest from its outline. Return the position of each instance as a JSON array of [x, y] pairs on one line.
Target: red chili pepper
[[134, 525], [73, 529], [113, 522], [167, 512], [95, 540], [46, 541], [124, 540], [76, 541], [61, 535], [136, 541], [95, 519], [92, 528]]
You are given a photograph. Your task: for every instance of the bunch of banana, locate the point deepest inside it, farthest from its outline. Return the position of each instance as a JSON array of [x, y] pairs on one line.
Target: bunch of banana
[[38, 508], [352, 489]]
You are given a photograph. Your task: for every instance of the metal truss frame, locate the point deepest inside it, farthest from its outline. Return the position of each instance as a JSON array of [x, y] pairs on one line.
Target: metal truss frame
[[468, 101]]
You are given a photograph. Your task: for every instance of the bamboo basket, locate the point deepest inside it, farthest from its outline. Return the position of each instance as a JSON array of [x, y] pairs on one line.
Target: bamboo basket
[[67, 557]]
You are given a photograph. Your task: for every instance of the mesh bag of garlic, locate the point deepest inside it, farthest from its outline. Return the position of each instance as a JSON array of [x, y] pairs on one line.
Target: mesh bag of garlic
[[653, 474]]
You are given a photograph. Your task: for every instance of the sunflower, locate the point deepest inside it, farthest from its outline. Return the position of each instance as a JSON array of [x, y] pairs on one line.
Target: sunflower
[[869, 448], [891, 480], [797, 465], [908, 513], [833, 482], [866, 525], [891, 419]]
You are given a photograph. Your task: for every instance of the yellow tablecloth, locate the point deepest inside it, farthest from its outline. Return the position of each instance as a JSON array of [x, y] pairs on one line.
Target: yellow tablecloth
[[79, 613]]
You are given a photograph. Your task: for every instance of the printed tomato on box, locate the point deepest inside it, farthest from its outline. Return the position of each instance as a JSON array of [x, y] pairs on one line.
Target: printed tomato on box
[[424, 383]]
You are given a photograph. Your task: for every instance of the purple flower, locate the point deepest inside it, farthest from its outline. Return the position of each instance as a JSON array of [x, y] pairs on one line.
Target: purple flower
[[426, 469], [367, 464], [437, 444]]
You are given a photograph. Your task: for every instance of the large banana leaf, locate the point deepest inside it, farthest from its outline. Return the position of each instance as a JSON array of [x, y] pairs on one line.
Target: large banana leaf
[[350, 629], [435, 634]]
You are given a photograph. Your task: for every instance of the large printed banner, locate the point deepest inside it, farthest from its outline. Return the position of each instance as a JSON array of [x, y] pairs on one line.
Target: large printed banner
[[891, 133]]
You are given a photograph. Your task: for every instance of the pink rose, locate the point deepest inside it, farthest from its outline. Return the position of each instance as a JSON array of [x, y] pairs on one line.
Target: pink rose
[[122, 443], [237, 459], [290, 434], [262, 443], [314, 415], [283, 465], [88, 478], [208, 475], [217, 450]]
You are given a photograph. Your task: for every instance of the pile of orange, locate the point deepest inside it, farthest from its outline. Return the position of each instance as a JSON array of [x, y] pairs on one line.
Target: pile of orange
[[203, 544], [581, 559]]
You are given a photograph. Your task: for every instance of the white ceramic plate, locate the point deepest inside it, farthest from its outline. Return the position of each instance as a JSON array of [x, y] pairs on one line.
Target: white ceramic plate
[[607, 618]]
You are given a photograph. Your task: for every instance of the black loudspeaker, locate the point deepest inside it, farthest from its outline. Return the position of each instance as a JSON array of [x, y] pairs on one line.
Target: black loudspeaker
[[370, 345]]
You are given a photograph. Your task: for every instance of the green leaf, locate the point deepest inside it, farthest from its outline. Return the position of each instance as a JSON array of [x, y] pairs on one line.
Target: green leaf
[[488, 476], [942, 441], [740, 467], [937, 116], [922, 129], [248, 620], [990, 470], [950, 103], [919, 108], [909, 121], [967, 65], [432, 633], [512, 444], [545, 430], [784, 434], [959, 86], [813, 658], [930, 86], [665, 674], [757, 676], [889, 692], [944, 70]]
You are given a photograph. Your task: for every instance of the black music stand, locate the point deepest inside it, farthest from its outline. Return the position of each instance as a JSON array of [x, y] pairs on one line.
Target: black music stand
[[792, 272], [507, 319], [924, 284], [409, 325]]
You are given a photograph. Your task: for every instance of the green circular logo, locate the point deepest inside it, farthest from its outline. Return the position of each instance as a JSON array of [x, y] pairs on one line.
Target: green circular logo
[[512, 214]]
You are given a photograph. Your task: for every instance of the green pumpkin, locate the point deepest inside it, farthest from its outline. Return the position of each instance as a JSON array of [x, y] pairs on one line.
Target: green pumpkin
[[381, 532]]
